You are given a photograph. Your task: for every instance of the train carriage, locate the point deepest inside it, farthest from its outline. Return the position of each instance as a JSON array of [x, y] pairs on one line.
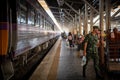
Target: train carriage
[[25, 28]]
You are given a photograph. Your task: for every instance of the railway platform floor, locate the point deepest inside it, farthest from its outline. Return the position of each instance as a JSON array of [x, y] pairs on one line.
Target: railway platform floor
[[62, 63]]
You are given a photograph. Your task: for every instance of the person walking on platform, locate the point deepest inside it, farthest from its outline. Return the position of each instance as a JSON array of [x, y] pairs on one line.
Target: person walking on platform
[[91, 51], [70, 39]]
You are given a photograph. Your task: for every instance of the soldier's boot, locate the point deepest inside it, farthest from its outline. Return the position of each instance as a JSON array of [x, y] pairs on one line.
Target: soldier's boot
[[99, 76], [84, 75]]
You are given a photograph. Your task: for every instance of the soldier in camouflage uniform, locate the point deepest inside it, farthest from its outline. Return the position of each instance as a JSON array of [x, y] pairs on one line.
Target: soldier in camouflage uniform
[[91, 50]]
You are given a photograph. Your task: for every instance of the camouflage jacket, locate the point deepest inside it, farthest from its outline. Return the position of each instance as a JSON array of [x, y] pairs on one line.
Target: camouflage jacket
[[91, 43]]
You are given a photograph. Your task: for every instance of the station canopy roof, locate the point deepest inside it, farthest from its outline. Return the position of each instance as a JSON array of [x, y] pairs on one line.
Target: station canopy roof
[[65, 10]]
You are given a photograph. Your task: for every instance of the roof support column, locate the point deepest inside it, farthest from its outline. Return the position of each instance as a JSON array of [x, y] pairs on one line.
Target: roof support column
[[86, 19], [83, 20], [91, 19], [80, 29], [108, 16], [101, 7], [75, 24]]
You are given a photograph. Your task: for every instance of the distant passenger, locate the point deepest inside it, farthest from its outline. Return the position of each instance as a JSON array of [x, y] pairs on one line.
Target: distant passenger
[[117, 34], [70, 39], [91, 51], [80, 44], [115, 40], [114, 36]]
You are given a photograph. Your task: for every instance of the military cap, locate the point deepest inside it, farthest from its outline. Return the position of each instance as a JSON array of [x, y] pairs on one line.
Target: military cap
[[95, 27]]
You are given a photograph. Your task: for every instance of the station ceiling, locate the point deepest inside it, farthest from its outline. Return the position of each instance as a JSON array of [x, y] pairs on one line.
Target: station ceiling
[[66, 9]]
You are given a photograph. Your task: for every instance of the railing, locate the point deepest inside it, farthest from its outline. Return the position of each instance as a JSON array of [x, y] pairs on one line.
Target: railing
[[114, 51]]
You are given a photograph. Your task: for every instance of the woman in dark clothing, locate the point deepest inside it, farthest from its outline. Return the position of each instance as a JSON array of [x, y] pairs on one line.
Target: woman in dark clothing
[[70, 38]]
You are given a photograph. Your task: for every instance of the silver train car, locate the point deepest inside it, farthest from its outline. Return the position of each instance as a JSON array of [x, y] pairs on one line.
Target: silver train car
[[25, 30]]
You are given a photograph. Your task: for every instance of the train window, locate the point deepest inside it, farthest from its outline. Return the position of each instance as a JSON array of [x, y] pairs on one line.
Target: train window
[[45, 24], [18, 15], [37, 19], [42, 22], [52, 27], [21, 12], [48, 26], [21, 17], [31, 16]]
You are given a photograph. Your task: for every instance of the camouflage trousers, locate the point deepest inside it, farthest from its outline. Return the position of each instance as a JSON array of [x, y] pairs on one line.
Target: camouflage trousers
[[95, 58]]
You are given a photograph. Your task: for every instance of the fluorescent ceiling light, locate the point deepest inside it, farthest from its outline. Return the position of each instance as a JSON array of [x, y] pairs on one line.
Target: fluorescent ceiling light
[[46, 8]]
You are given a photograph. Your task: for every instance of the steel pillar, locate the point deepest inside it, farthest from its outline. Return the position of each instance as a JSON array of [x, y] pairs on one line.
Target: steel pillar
[[101, 8], [86, 19], [91, 19], [108, 16], [76, 22], [80, 29], [73, 25]]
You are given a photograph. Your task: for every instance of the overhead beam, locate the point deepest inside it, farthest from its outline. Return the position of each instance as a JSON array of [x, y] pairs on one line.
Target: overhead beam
[[91, 6], [68, 14], [58, 8], [76, 2], [72, 8], [95, 2], [116, 18], [55, 12], [67, 18], [115, 3], [112, 16], [57, 16], [96, 20], [115, 13]]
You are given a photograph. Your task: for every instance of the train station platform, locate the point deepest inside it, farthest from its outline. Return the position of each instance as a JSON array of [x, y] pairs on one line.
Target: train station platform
[[62, 63]]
